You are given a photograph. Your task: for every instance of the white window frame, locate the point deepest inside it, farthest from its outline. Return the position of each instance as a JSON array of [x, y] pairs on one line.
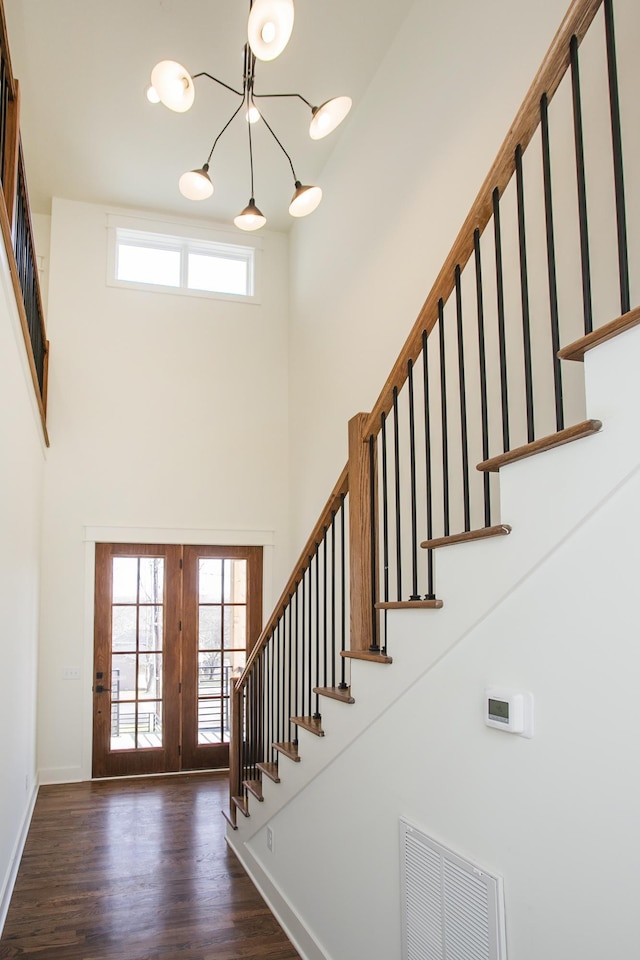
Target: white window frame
[[184, 239]]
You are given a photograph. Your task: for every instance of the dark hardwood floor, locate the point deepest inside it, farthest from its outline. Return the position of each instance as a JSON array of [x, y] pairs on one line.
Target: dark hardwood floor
[[136, 870]]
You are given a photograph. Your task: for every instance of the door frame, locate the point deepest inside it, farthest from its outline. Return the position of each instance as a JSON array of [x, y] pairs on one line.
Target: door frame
[[93, 534]]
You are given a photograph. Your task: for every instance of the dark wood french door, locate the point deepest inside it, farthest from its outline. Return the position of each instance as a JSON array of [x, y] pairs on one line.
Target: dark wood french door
[[173, 627]]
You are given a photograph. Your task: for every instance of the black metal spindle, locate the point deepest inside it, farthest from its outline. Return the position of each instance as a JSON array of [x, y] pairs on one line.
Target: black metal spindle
[[463, 404], [310, 627], [482, 354], [272, 726], [443, 412], [502, 339], [551, 262], [333, 598], [524, 297], [325, 591], [316, 715], [412, 470], [303, 654], [290, 713], [279, 689], [618, 170], [343, 598], [385, 509], [374, 646], [430, 595], [582, 188], [396, 473], [296, 649]]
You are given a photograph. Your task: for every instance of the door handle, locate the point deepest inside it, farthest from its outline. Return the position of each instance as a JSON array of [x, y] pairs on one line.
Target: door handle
[[100, 689]]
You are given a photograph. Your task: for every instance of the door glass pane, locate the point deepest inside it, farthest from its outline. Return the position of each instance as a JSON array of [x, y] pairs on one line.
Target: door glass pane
[[235, 627], [209, 674], [210, 721], [150, 628], [125, 579], [123, 628], [210, 628], [209, 580], [151, 579], [235, 662], [150, 676], [123, 725], [149, 733], [123, 677]]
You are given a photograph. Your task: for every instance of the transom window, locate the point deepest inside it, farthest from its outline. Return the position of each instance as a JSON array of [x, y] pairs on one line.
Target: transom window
[[183, 265]]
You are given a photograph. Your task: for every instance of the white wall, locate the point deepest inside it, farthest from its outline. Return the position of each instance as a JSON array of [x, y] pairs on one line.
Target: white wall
[[22, 457], [167, 414]]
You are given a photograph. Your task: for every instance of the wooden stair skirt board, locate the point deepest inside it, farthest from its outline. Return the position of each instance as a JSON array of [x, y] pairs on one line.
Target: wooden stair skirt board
[[366, 655], [335, 693], [242, 805], [409, 604], [577, 349], [254, 787], [270, 770], [585, 429], [311, 724], [288, 750], [502, 530]]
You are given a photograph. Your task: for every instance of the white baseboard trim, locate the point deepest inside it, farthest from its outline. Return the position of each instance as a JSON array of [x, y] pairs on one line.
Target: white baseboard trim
[[282, 910], [10, 879], [61, 775]]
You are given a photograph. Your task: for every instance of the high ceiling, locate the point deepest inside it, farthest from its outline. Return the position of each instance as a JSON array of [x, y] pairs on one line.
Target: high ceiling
[[90, 134]]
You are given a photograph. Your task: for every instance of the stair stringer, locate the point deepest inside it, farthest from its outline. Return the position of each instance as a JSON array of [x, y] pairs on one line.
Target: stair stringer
[[543, 498]]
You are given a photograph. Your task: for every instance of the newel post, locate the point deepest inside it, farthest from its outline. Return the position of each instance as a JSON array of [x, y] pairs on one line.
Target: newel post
[[362, 559], [235, 745]]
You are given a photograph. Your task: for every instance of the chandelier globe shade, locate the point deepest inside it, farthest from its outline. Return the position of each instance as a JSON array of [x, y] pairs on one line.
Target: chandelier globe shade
[[269, 27], [251, 218], [196, 184], [174, 85], [305, 200], [327, 117]]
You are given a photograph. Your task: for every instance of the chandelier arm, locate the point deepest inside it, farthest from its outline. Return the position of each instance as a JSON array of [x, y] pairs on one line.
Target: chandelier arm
[[232, 117], [272, 95], [251, 159], [203, 73], [280, 145]]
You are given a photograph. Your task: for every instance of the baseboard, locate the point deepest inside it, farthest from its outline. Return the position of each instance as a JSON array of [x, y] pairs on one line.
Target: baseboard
[[61, 775], [282, 910], [9, 882]]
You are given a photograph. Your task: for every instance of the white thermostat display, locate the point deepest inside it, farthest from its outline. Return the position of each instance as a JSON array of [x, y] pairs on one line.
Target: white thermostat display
[[509, 710]]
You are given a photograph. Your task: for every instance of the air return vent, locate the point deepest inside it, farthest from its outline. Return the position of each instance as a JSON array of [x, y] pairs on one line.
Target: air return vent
[[451, 909]]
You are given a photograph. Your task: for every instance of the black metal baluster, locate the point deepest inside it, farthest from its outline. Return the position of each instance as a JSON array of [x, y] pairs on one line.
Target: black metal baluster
[[618, 170], [443, 410], [414, 506], [430, 595], [374, 646], [333, 598], [396, 472], [502, 339], [310, 621], [290, 713], [325, 638], [303, 657], [316, 715], [524, 295], [280, 687], [295, 640], [551, 262], [482, 353], [385, 509], [343, 599], [582, 188], [274, 714], [463, 404]]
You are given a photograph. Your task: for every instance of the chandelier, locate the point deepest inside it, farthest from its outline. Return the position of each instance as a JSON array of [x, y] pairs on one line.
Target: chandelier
[[268, 31]]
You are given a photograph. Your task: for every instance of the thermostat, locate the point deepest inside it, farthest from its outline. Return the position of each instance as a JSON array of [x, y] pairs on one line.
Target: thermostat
[[509, 710]]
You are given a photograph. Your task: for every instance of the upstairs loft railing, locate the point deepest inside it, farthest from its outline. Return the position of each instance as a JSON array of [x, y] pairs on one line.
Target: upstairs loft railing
[[544, 258], [17, 229]]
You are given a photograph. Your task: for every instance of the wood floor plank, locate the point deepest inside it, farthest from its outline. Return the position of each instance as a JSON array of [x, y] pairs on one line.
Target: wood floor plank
[[136, 870]]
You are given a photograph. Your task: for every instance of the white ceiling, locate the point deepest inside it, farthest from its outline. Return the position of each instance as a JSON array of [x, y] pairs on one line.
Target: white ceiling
[[90, 134]]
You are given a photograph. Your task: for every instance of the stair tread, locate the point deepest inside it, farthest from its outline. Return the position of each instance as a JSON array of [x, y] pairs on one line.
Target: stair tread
[[585, 429], [336, 693], [577, 349], [242, 805], [230, 817], [366, 655], [254, 787], [483, 533], [288, 750], [270, 770], [311, 724], [409, 604]]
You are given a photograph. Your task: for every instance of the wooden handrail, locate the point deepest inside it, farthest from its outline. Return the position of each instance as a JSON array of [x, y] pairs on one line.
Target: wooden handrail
[[333, 503], [547, 80]]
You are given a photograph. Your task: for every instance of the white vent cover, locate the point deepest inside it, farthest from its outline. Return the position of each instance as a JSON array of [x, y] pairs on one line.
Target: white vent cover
[[451, 909]]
